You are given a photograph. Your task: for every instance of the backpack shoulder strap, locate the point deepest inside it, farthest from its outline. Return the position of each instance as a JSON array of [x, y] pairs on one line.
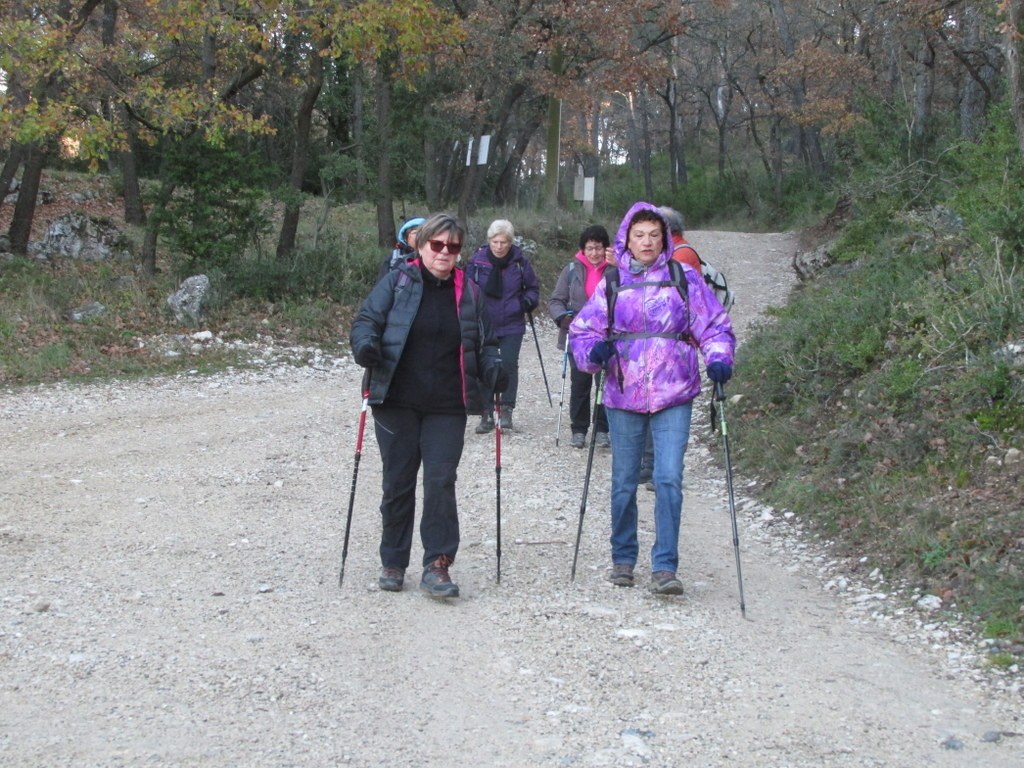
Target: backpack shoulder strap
[[675, 269], [611, 292], [677, 277]]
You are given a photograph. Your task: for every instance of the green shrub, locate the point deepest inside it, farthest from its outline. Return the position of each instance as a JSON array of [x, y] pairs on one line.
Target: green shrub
[[219, 212]]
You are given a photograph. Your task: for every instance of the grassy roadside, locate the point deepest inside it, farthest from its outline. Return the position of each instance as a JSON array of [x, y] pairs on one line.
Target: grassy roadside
[[135, 336], [306, 301], [885, 403]]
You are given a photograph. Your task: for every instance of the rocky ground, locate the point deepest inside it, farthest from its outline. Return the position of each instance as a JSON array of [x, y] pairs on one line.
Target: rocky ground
[[170, 551]]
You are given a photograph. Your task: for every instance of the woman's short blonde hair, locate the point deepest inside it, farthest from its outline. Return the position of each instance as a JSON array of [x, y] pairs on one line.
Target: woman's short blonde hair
[[501, 227]]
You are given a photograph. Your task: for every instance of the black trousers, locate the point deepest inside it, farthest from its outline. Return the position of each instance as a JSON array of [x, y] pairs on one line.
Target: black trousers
[[409, 439], [580, 387]]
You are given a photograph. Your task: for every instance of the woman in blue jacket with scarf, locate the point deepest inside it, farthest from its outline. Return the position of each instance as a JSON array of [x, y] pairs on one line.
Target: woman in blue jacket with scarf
[[511, 290]]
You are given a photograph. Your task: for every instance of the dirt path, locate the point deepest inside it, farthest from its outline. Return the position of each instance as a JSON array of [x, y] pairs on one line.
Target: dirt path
[[170, 555]]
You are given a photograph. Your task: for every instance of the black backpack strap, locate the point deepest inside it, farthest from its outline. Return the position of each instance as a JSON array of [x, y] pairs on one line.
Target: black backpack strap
[[649, 335], [675, 269]]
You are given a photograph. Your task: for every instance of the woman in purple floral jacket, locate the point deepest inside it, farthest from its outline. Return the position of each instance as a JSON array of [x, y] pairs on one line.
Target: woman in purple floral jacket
[[648, 352]]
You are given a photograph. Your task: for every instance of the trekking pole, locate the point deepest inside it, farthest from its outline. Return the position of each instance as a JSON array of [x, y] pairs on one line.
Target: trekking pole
[[541, 358], [720, 397], [355, 471], [561, 396], [497, 476], [598, 399]]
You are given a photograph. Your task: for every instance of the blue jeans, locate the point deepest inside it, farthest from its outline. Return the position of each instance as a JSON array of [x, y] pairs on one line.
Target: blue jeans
[[670, 430]]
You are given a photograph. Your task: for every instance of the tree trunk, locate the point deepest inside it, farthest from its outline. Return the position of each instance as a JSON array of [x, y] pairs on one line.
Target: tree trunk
[[808, 138], [669, 96], [124, 160], [467, 199], [134, 210], [431, 165], [25, 208], [147, 258], [1015, 15], [554, 142], [554, 138], [924, 84], [721, 106], [506, 190], [632, 132], [645, 137], [385, 206], [359, 127], [972, 93], [776, 155], [811, 140], [300, 154], [10, 169]]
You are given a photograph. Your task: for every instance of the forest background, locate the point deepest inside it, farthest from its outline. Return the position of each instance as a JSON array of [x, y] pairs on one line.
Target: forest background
[[276, 147]]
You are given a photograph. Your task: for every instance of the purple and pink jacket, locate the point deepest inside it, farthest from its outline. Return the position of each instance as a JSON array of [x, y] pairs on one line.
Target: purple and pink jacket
[[649, 372]]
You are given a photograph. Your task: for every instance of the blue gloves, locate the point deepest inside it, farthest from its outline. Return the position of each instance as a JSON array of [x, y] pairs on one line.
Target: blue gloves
[[719, 372], [601, 353], [369, 356]]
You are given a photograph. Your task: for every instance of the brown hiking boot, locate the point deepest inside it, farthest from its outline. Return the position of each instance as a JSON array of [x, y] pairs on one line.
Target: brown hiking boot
[[391, 579], [436, 582], [621, 575], [665, 583]]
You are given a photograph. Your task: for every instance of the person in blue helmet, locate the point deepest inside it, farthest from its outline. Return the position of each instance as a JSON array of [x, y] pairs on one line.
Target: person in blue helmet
[[405, 247]]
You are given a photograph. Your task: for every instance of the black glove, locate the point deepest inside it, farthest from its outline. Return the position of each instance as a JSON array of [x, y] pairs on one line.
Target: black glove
[[601, 353], [497, 380], [369, 356], [565, 321], [719, 372], [527, 306]]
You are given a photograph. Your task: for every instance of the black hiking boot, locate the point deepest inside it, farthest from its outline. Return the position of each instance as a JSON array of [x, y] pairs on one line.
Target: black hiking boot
[[486, 424], [436, 582], [391, 579], [506, 418]]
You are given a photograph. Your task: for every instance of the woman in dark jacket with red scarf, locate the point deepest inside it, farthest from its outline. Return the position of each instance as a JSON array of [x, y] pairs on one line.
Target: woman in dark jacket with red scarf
[[425, 337], [576, 282], [511, 290]]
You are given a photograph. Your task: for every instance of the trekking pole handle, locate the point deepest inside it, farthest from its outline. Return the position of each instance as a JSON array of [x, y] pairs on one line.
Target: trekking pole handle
[[719, 391]]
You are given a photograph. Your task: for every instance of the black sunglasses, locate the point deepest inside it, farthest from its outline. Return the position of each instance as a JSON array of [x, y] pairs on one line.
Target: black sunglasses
[[453, 248]]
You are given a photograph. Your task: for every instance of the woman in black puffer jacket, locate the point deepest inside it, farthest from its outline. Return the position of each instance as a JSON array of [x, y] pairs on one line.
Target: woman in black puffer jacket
[[427, 342]]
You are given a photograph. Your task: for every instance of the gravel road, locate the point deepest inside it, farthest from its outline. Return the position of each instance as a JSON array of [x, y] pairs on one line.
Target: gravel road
[[170, 552]]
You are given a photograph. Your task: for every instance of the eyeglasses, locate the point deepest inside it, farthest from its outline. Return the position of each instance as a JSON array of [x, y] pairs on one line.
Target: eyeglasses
[[453, 248]]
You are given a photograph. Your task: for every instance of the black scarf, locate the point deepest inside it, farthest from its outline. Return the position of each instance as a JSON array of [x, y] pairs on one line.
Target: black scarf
[[494, 280]]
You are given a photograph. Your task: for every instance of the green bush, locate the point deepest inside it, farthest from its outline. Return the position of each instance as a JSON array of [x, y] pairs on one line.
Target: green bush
[[336, 270], [219, 212], [990, 195]]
